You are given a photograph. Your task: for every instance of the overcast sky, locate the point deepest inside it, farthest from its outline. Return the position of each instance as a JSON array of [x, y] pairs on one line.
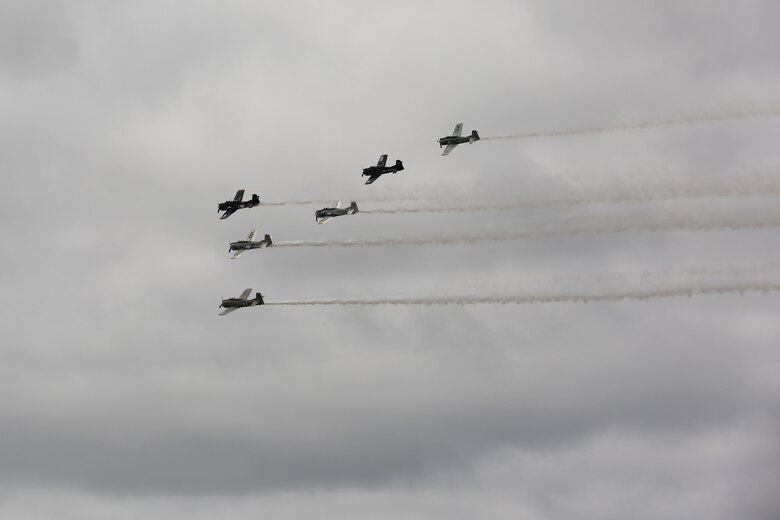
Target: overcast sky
[[123, 394]]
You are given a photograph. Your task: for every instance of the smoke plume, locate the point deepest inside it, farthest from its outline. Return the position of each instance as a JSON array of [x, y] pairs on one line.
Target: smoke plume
[[708, 117], [598, 224], [646, 286], [746, 188], [528, 299]]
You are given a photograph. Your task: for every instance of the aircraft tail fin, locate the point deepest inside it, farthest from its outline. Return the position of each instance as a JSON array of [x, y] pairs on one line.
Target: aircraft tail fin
[[255, 199], [474, 136], [268, 240], [354, 206], [259, 298], [399, 165]]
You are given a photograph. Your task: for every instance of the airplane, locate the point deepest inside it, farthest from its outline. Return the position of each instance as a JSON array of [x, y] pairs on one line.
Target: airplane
[[451, 141], [374, 172], [231, 304], [242, 246], [325, 214], [231, 206]]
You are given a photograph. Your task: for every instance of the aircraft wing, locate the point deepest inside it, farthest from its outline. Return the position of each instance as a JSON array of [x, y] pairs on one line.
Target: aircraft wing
[[458, 129], [228, 310], [252, 234], [448, 149], [322, 220], [228, 213], [382, 161], [239, 196], [372, 179], [245, 294], [237, 254]]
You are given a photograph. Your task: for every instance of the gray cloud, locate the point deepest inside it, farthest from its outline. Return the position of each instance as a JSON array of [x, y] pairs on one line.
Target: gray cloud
[[123, 126]]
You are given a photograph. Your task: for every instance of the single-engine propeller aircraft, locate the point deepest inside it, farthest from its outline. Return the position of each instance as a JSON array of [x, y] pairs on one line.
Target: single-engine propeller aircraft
[[449, 142], [231, 304], [243, 246], [231, 206], [374, 172], [325, 214]]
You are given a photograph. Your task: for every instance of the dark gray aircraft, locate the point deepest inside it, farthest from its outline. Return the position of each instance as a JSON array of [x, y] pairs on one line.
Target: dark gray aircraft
[[231, 206], [451, 141], [325, 214], [231, 304], [242, 246], [374, 172]]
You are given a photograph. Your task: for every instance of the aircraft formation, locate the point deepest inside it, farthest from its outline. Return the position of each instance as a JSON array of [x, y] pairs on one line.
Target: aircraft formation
[[321, 216]]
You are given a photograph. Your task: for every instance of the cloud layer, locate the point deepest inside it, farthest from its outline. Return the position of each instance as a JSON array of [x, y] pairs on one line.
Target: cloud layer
[[125, 395]]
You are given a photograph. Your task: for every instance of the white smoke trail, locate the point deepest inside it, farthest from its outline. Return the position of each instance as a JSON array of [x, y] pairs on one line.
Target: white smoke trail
[[637, 194], [527, 299], [749, 185], [752, 273], [690, 282], [576, 226], [412, 195], [296, 202], [711, 117]]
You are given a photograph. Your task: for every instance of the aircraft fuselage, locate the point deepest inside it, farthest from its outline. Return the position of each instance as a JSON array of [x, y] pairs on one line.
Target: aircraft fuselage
[[237, 302], [333, 212], [330, 212], [232, 204], [247, 244], [451, 139], [381, 170]]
